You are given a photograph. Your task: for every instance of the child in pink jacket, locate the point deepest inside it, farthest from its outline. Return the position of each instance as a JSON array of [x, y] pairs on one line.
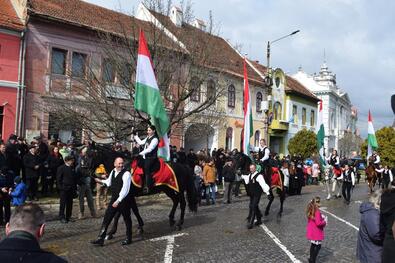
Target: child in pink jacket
[[315, 227]]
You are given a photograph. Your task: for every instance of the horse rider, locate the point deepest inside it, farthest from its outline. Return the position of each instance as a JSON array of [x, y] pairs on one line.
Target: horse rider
[[376, 160], [119, 182], [263, 156], [348, 178], [256, 185], [149, 154], [334, 159]]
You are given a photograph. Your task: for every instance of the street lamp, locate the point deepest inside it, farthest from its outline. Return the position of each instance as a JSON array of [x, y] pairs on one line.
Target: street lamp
[[269, 80]]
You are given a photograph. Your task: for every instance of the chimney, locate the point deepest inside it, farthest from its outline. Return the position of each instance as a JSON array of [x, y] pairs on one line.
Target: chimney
[[199, 24], [176, 16]]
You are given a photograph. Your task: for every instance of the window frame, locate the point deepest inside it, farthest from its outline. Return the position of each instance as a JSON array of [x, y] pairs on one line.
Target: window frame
[[196, 93], [85, 57], [295, 113], [304, 116], [259, 99], [231, 96], [312, 118], [65, 52]]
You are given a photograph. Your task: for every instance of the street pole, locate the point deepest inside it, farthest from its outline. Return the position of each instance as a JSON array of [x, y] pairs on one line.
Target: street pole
[[269, 83]]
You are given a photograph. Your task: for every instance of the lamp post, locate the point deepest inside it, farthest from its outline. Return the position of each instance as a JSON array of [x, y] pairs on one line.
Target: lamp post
[[269, 83]]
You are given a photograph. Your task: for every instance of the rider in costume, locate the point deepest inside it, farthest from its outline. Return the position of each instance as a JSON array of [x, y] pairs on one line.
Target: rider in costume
[[263, 156], [149, 154], [376, 160]]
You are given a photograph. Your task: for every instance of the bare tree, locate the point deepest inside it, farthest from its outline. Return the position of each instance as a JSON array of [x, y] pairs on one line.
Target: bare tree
[[99, 95], [349, 143]]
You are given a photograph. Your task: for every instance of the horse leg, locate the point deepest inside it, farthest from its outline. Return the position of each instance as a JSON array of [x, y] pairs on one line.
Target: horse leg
[[328, 189], [282, 198], [182, 206], [271, 198], [173, 209], [136, 212]]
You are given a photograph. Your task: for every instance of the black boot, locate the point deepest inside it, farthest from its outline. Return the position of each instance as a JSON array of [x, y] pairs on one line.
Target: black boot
[[250, 224], [128, 239], [100, 239], [258, 221]]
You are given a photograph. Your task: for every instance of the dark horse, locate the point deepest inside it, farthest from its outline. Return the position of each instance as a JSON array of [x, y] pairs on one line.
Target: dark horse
[[279, 188], [185, 179], [371, 175]]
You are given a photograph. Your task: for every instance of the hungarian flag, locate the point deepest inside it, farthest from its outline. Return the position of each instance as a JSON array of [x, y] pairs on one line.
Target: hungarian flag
[[372, 142], [320, 133], [247, 129], [148, 99]]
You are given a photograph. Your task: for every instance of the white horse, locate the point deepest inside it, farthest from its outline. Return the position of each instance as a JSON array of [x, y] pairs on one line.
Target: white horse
[[332, 183]]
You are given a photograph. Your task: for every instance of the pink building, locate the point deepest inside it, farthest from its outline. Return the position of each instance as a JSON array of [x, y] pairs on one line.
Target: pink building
[[11, 56]]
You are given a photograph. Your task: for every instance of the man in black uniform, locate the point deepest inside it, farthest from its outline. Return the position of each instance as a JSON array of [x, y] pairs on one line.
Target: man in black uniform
[[32, 169], [264, 158], [348, 182], [119, 182], [256, 185], [150, 155], [66, 179]]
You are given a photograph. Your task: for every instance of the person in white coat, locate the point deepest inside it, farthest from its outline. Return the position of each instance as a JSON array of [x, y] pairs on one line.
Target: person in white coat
[[256, 185]]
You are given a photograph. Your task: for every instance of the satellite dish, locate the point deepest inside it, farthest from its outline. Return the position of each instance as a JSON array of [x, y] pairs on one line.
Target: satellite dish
[[393, 103]]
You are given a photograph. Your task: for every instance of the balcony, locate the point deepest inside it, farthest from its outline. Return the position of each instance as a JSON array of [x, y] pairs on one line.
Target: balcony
[[279, 125]]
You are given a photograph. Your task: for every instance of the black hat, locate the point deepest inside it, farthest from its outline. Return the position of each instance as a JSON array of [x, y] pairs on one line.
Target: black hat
[[32, 146], [13, 137]]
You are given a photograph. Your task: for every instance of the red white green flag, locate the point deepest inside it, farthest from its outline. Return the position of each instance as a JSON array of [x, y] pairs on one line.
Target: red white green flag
[[248, 129], [148, 99], [372, 141], [320, 133]]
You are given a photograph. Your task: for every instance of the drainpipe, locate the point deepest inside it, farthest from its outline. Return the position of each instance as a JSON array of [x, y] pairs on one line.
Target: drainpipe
[[16, 130], [22, 91]]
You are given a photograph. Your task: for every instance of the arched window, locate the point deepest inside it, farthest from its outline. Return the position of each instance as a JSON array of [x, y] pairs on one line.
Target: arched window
[[211, 89], [195, 89], [229, 137], [258, 102], [277, 110], [231, 96], [256, 138]]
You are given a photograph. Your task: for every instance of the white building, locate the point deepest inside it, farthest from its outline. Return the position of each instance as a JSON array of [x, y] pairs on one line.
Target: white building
[[338, 114]]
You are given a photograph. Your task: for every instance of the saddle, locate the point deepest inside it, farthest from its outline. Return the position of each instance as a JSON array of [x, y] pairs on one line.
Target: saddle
[[163, 175], [277, 181]]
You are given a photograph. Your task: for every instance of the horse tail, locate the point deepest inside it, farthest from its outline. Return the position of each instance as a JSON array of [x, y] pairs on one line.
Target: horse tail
[[192, 195]]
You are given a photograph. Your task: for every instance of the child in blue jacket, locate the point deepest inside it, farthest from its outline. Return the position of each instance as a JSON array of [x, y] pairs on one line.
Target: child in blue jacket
[[19, 193]]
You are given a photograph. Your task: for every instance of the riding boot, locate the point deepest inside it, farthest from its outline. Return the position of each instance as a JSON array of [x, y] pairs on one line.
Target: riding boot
[[100, 239]]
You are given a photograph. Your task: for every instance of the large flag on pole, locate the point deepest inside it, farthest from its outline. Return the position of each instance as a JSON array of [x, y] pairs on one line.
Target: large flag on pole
[[320, 133], [148, 99], [248, 129], [372, 141]]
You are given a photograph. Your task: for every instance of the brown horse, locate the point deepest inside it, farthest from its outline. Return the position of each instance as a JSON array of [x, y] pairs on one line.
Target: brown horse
[[371, 176]]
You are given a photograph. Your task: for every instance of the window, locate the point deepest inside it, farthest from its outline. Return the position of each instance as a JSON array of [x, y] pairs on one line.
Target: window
[[295, 113], [277, 110], [108, 71], [303, 116], [195, 89], [256, 138], [312, 118], [58, 61], [78, 65], [229, 137], [125, 74], [231, 96], [258, 102], [211, 90]]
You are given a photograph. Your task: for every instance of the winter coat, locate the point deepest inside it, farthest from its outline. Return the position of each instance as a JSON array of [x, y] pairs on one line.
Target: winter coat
[[19, 194], [370, 236], [229, 173], [387, 209], [315, 227], [209, 174], [30, 161]]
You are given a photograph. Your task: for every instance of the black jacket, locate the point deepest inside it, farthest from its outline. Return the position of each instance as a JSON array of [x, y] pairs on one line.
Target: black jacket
[[229, 173], [29, 161], [66, 178], [21, 246]]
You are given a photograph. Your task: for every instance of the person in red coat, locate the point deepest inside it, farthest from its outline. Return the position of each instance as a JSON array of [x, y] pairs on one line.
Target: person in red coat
[[315, 227]]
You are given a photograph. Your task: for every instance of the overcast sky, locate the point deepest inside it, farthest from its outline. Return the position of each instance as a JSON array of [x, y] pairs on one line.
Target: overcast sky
[[356, 36]]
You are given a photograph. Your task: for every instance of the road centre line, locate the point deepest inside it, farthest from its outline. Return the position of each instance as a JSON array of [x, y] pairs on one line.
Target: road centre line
[[169, 246], [323, 209], [278, 242]]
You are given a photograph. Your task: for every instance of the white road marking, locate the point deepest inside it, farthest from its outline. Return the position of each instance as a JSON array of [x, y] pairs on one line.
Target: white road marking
[[340, 219], [358, 202], [278, 242], [170, 245]]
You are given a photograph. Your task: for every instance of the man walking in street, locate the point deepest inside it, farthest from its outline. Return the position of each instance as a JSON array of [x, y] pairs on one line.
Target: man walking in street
[[119, 182], [348, 182], [256, 185]]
